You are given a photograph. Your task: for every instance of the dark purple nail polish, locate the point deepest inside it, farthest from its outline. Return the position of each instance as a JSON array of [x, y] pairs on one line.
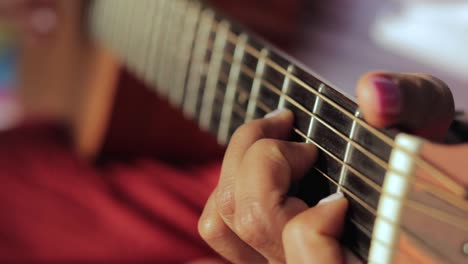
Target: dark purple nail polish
[[388, 96]]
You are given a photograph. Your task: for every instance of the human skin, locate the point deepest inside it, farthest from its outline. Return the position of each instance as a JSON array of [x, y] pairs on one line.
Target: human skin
[[264, 224], [229, 223]]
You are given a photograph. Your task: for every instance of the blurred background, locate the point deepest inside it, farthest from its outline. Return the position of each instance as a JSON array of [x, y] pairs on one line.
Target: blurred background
[[8, 53], [344, 39], [340, 40]]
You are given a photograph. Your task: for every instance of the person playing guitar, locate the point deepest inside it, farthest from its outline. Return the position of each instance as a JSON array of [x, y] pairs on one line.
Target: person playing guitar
[[244, 224]]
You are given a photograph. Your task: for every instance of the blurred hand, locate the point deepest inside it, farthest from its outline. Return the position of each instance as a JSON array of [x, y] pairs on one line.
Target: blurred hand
[[249, 213], [32, 18]]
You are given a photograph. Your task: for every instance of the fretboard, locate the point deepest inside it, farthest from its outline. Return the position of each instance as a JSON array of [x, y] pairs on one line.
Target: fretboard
[[223, 76]]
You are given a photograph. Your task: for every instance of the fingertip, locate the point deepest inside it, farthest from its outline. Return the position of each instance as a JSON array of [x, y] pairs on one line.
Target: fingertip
[[280, 113], [334, 205], [312, 236], [331, 198], [379, 99]]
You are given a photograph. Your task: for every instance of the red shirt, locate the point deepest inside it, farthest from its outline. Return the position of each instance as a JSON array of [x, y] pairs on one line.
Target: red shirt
[[132, 207]]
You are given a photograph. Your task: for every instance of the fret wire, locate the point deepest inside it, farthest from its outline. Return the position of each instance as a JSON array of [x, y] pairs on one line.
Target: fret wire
[[136, 51], [285, 87], [355, 144], [256, 84], [278, 92], [347, 156], [243, 92], [126, 44], [213, 74], [180, 49], [193, 16], [265, 108], [196, 67], [359, 174], [335, 131], [424, 164], [233, 79], [118, 30], [159, 47], [369, 208], [147, 72], [162, 38], [435, 213], [413, 204], [275, 90], [150, 71], [167, 63], [314, 111], [235, 108]]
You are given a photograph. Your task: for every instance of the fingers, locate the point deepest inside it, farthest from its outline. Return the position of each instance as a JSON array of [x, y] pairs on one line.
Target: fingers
[[222, 239], [246, 213], [418, 103], [277, 126], [262, 206], [312, 236]]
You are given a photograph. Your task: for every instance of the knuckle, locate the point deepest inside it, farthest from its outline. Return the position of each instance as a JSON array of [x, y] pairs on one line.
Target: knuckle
[[269, 150], [225, 201], [267, 146], [251, 229], [211, 228], [295, 228]]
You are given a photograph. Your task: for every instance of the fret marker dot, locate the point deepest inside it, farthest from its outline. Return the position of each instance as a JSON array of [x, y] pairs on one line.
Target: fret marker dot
[[465, 248]]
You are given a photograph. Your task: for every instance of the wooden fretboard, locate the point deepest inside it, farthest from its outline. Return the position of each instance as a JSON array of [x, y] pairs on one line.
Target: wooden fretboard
[[223, 76]]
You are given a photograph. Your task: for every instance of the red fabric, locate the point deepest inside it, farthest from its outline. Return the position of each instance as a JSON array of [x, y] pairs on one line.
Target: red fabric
[[56, 207], [142, 124], [141, 202]]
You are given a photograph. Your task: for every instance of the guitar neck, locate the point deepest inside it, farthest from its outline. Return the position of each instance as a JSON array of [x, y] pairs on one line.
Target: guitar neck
[[223, 76]]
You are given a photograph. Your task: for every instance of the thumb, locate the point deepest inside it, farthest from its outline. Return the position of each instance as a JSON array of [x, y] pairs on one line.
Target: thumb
[[418, 103], [313, 235]]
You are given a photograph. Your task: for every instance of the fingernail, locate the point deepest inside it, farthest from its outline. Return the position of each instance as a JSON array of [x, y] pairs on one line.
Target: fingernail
[[276, 112], [388, 96], [43, 20], [334, 197]]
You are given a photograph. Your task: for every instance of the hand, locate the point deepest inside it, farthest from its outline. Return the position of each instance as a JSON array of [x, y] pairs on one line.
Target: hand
[[32, 18], [245, 216]]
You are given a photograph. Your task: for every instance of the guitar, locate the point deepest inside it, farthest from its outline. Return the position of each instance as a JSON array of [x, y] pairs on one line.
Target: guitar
[[222, 76]]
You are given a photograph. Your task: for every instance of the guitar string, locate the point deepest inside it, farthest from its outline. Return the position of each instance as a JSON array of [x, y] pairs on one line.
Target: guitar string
[[358, 225], [448, 218], [442, 177], [349, 194], [234, 39], [362, 176], [429, 188]]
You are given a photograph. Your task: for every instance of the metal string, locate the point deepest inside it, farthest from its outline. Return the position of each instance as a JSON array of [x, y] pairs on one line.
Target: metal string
[[442, 177], [435, 213], [429, 188]]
